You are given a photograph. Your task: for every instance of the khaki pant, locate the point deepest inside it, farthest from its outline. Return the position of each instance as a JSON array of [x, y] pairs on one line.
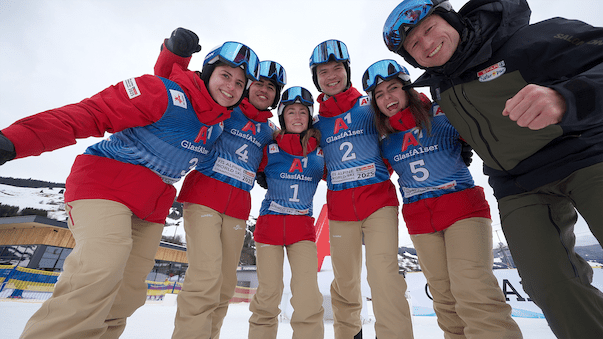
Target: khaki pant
[[388, 287], [307, 319], [539, 228], [457, 263], [103, 279], [213, 247]]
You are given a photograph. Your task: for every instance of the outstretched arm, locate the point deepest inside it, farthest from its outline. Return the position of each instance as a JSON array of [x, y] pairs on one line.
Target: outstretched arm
[[7, 149], [114, 109]]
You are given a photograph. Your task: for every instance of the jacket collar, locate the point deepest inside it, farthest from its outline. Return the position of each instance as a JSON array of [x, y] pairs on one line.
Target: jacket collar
[[253, 113], [291, 143], [403, 120], [208, 111], [339, 103]]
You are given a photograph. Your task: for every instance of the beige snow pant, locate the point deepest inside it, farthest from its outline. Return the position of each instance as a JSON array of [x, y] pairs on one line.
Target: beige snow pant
[[103, 279], [307, 318], [457, 263], [388, 287], [213, 247]]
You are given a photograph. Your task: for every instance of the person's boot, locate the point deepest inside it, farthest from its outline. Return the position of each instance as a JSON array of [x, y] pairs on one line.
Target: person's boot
[[359, 335]]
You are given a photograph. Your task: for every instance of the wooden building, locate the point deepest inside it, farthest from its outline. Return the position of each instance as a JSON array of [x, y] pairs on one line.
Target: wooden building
[[41, 243]]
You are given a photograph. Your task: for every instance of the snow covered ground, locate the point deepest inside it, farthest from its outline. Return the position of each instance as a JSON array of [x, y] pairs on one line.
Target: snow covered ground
[[156, 320]]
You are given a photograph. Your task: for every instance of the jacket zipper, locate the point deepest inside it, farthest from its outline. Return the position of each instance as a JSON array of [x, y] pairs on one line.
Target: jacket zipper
[[430, 215], [155, 207], [481, 135], [228, 200], [284, 231], [353, 199]]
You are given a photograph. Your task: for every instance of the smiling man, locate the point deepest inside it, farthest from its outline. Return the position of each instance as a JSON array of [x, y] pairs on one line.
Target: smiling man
[[361, 200], [530, 102]]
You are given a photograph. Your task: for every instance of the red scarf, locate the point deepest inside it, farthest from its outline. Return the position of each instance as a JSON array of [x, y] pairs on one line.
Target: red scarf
[[405, 120], [208, 111], [339, 103], [291, 143], [253, 113]]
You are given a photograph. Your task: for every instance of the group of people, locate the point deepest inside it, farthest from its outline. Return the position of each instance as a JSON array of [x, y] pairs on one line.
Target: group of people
[[528, 102]]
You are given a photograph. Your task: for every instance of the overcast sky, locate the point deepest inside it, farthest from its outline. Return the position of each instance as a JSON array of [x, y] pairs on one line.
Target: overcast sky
[[58, 52]]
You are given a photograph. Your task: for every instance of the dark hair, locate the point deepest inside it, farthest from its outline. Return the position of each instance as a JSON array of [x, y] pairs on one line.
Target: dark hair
[[418, 107]]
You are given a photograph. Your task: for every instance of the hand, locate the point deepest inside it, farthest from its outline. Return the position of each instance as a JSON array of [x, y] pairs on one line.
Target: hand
[[535, 107], [7, 149], [466, 152], [260, 177], [183, 42]]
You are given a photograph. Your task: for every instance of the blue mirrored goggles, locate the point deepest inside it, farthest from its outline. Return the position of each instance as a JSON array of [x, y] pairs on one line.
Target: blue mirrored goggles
[[403, 18], [329, 50], [274, 71], [296, 94], [236, 54], [384, 70]]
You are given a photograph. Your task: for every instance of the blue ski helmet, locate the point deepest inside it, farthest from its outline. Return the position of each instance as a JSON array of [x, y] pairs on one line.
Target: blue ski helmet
[[292, 95], [274, 72], [406, 16], [383, 70], [233, 54], [330, 50]]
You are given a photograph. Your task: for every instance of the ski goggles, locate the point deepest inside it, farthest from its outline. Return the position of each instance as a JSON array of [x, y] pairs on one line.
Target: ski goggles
[[296, 94], [384, 70], [330, 49], [236, 54], [405, 17], [274, 71]]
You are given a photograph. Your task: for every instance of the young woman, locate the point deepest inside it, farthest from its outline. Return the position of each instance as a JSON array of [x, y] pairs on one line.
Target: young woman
[[217, 202], [362, 202], [291, 169], [120, 190], [447, 216]]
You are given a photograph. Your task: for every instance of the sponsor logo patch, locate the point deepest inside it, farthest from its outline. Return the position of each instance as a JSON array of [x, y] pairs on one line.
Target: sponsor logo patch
[[273, 148], [131, 88], [365, 101], [492, 72], [178, 98], [436, 110]]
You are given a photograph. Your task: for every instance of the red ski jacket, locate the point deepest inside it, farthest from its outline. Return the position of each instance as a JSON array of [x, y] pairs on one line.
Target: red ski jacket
[[286, 229], [354, 204], [111, 110]]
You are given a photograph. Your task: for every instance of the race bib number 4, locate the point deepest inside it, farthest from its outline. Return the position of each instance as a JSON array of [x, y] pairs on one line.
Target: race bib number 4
[[232, 170], [353, 174]]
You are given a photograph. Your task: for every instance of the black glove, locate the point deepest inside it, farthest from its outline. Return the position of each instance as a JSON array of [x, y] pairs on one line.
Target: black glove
[[260, 177], [183, 42], [466, 153], [7, 149]]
